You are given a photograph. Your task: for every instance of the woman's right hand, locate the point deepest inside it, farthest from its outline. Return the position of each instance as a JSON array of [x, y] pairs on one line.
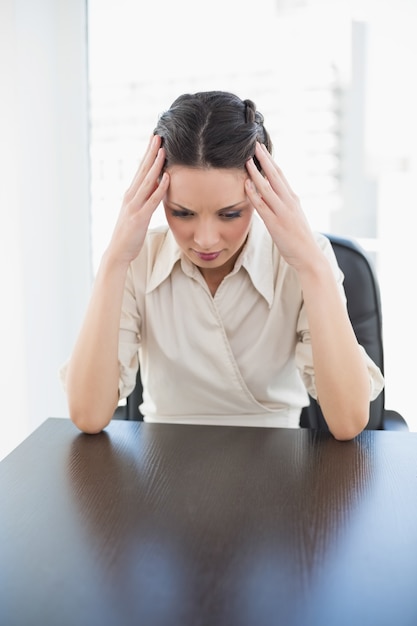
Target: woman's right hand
[[139, 203]]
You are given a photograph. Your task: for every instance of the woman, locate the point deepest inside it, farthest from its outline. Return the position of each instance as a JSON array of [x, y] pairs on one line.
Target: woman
[[236, 308]]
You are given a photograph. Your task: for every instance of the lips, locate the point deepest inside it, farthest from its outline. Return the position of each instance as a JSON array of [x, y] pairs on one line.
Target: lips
[[207, 256]]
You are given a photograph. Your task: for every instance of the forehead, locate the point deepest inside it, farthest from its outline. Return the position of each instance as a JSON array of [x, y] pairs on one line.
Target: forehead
[[210, 188]]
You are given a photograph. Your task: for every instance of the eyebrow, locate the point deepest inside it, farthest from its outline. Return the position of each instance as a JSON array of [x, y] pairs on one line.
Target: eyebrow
[[226, 208]]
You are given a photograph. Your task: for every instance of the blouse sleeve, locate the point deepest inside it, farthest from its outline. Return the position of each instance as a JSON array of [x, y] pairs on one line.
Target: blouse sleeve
[[304, 355], [129, 339]]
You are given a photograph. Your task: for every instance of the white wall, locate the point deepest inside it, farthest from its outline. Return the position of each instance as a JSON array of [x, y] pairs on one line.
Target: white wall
[[45, 256]]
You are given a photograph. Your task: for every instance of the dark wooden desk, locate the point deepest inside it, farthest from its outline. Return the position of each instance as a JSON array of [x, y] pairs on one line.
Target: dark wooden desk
[[160, 525]]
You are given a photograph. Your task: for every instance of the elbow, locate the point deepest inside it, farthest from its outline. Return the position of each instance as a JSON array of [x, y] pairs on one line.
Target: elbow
[[90, 410], [88, 421], [346, 435], [87, 425], [349, 426], [87, 428]]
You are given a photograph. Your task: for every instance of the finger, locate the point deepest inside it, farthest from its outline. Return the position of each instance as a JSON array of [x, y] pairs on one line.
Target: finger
[[152, 188], [156, 196], [262, 188], [264, 210], [145, 164], [273, 172], [147, 183], [255, 196], [146, 161], [267, 159]]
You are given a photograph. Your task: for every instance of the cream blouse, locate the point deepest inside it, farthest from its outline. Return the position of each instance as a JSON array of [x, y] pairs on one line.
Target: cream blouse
[[242, 357]]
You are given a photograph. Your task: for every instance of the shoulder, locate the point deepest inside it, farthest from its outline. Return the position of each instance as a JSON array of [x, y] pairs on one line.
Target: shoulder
[[322, 239], [324, 243]]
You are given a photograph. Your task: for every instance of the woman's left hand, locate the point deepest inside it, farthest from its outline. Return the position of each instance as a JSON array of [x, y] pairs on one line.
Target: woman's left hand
[[280, 209]]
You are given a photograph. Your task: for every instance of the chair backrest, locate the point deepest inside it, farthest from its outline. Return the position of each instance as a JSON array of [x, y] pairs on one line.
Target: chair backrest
[[132, 411], [364, 308]]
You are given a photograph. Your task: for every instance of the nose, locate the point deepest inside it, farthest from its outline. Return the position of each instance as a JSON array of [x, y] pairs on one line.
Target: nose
[[206, 235]]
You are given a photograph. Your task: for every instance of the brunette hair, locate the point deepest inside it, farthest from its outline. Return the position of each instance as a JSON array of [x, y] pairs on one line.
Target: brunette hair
[[211, 129]]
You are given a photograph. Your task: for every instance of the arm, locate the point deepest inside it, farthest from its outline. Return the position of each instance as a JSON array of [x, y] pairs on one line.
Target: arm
[[92, 377], [341, 375]]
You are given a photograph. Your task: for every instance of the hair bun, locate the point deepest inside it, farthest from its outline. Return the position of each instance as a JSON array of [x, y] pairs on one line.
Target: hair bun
[[250, 111]]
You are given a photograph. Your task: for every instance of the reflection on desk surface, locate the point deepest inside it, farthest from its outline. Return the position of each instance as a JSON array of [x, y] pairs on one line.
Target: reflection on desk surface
[[170, 524]]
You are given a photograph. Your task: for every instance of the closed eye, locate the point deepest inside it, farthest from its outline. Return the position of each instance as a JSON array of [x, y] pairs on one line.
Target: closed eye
[[230, 215], [182, 213]]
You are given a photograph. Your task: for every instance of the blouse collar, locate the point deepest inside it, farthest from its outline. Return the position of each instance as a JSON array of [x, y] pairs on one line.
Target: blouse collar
[[256, 258]]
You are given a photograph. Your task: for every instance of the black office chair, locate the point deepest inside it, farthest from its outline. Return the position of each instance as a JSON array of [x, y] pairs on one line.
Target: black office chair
[[130, 409], [364, 307]]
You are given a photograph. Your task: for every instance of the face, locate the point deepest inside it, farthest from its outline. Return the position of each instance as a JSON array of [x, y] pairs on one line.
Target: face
[[209, 215]]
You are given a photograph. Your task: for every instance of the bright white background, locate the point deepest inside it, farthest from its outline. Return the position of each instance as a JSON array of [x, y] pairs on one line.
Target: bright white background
[[55, 217], [45, 251]]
